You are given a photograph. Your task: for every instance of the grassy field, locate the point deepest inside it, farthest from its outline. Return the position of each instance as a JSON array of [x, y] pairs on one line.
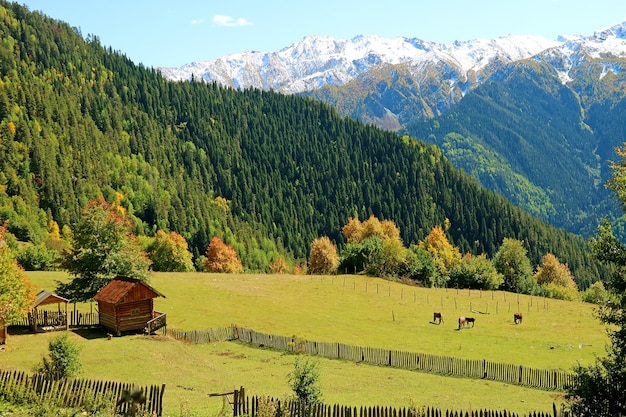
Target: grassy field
[[349, 309]]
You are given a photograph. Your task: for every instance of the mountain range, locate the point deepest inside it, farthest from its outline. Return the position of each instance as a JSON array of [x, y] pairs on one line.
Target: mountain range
[[266, 172], [547, 152]]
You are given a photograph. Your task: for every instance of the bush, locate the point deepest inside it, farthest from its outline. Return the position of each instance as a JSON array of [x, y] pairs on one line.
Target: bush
[[304, 380], [63, 359]]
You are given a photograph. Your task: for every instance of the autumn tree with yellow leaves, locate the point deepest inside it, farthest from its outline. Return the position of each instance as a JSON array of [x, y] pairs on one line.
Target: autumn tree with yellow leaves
[[17, 294], [323, 258], [445, 255], [169, 252], [556, 278]]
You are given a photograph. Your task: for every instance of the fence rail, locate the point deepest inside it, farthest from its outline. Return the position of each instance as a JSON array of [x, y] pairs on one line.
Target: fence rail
[[71, 392], [545, 379]]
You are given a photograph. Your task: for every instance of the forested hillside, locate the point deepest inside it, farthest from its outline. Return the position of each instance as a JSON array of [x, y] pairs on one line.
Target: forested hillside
[[528, 136], [267, 172]]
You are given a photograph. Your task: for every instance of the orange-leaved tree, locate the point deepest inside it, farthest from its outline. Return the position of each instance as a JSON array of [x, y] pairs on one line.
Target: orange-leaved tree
[[323, 258], [221, 257], [279, 266], [17, 294]]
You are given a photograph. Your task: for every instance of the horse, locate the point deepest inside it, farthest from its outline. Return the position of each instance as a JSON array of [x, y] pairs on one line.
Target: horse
[[465, 321], [437, 317], [517, 318]]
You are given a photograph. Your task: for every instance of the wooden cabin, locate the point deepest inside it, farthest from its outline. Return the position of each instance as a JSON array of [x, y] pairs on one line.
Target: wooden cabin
[[3, 334], [127, 305]]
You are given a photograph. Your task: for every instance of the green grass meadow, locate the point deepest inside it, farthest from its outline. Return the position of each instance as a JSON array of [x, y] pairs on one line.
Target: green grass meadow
[[349, 309]]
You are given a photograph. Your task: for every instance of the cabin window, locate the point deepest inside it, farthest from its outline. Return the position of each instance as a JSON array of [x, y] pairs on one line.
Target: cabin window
[[135, 312]]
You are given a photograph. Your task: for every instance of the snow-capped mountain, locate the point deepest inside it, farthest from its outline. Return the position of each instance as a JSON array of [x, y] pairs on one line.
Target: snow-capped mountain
[[391, 82], [317, 61]]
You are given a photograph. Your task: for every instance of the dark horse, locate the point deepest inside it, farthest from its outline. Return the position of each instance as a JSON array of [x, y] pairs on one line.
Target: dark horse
[[437, 317], [465, 321], [517, 318]]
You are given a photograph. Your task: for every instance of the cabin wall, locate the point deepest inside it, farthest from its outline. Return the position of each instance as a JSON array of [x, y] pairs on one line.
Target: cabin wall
[[134, 316], [3, 335], [106, 312]]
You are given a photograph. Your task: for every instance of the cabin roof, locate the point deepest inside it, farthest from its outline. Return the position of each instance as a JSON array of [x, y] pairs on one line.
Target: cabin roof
[[45, 297], [118, 288]]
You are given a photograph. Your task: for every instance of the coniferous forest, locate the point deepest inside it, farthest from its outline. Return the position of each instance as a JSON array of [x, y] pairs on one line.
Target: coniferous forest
[[266, 172]]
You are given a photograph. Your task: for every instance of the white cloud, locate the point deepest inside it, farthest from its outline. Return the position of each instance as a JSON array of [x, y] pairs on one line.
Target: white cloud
[[229, 21], [196, 21]]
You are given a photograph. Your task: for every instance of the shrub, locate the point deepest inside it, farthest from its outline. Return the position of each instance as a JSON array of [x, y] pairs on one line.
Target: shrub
[[304, 380], [63, 359]]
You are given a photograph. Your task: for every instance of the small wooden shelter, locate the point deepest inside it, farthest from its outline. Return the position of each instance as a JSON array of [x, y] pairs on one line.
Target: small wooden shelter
[[3, 334], [127, 304], [48, 320]]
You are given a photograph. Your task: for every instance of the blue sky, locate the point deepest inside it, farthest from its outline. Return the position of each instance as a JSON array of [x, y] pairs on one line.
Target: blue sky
[[174, 33]]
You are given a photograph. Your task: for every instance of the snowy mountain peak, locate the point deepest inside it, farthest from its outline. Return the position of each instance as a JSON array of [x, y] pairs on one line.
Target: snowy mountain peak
[[316, 61]]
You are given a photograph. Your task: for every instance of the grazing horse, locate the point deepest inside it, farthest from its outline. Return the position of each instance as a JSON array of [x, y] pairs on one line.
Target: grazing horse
[[517, 318], [465, 321], [437, 317]]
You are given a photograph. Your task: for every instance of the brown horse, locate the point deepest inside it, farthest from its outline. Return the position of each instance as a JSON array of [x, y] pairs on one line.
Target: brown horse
[[517, 318], [437, 317]]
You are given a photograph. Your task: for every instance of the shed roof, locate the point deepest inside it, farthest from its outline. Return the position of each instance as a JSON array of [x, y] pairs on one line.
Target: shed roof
[[45, 297], [118, 288]]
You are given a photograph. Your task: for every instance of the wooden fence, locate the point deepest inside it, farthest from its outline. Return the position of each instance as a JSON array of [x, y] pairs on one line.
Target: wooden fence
[[256, 406], [73, 392], [440, 365], [51, 318]]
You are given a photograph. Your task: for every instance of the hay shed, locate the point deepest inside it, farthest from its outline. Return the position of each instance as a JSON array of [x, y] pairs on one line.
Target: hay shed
[[48, 320], [127, 305]]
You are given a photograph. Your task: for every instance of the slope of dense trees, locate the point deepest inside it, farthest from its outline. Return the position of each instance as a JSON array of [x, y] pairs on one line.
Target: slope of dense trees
[[266, 173], [542, 144]]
